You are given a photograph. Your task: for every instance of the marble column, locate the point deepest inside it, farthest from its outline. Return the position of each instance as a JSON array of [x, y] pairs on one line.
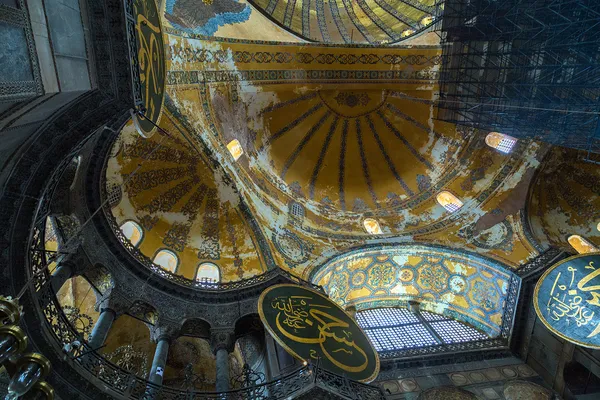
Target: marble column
[[101, 328], [222, 341], [160, 361], [60, 276], [222, 381], [271, 357]]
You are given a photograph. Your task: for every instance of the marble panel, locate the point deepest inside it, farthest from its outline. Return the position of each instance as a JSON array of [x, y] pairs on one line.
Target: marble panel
[[73, 73], [66, 29], [14, 54]]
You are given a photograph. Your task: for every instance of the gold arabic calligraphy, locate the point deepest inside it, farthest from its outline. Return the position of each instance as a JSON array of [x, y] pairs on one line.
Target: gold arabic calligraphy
[[297, 315], [566, 302]]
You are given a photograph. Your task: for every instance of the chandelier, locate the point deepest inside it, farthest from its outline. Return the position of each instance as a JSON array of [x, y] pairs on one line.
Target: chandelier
[[27, 371]]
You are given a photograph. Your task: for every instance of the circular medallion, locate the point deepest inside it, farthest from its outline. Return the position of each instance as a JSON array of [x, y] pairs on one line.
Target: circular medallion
[[148, 62], [358, 278], [457, 284], [309, 326], [406, 275], [290, 246], [567, 299]]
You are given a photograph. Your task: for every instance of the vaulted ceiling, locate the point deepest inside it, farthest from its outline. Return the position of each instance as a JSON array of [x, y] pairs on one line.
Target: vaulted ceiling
[[350, 21]]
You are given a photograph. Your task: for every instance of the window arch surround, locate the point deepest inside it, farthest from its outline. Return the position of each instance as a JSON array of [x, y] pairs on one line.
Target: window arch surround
[[167, 260], [449, 201], [501, 142], [133, 232], [581, 245], [208, 272]]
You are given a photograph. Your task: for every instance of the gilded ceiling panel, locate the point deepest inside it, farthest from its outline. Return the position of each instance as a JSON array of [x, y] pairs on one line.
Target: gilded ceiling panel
[[350, 21], [181, 204], [460, 285]]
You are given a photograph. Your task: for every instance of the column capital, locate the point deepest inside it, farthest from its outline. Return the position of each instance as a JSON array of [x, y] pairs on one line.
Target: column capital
[[164, 331], [113, 301], [222, 338]]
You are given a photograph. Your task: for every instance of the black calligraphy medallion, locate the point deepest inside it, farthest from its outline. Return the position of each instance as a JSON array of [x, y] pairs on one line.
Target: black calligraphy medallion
[[567, 299], [312, 327], [151, 62]]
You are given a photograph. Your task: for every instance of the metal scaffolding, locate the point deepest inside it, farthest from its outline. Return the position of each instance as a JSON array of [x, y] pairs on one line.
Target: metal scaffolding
[[527, 68]]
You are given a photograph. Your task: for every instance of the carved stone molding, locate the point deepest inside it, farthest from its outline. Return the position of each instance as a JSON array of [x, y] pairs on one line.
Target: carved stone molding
[[223, 338]]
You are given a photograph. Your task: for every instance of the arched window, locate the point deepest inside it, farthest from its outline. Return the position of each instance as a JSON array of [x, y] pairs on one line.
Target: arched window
[[208, 273], [449, 201], [399, 328], [133, 232], [167, 260], [407, 33], [235, 148], [500, 141], [581, 245], [372, 226]]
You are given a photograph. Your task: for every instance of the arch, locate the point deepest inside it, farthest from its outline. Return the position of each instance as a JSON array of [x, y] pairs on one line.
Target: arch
[[133, 232], [195, 327], [167, 260], [235, 148], [208, 272], [449, 201], [458, 284], [372, 226], [501, 142], [581, 245]]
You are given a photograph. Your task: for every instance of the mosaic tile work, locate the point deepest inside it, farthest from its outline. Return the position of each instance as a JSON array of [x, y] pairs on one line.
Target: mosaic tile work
[[462, 286], [350, 21]]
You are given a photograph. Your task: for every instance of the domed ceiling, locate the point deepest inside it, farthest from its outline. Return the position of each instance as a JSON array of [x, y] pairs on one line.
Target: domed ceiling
[[182, 204], [350, 21], [332, 135], [565, 199], [352, 150]]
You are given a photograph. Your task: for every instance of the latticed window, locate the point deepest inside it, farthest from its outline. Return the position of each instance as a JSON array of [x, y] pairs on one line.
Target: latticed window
[[398, 328], [133, 232], [167, 260], [114, 194], [296, 210], [500, 141], [581, 245], [208, 273], [449, 201]]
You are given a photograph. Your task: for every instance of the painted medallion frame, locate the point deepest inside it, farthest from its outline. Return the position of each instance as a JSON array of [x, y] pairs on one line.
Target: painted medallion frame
[[318, 329], [568, 311]]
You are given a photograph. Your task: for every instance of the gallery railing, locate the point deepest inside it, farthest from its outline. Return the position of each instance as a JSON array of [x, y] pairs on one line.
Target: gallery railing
[[127, 385]]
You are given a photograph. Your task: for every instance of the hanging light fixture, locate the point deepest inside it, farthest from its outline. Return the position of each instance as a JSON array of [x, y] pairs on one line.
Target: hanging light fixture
[[26, 370]]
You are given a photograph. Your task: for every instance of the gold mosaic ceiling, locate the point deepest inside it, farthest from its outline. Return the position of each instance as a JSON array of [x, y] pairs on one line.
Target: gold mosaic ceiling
[[181, 204], [350, 21], [353, 150]]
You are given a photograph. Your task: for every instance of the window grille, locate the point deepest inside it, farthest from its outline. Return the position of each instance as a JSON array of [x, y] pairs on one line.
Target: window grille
[[399, 328]]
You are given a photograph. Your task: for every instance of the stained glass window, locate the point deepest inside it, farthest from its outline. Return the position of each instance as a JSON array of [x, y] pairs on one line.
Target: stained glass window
[[399, 328], [167, 260], [500, 141], [208, 273], [133, 232], [449, 201]]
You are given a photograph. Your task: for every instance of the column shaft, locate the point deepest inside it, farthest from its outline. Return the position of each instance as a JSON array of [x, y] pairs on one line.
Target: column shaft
[[60, 276], [101, 328], [222, 381], [159, 362]]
